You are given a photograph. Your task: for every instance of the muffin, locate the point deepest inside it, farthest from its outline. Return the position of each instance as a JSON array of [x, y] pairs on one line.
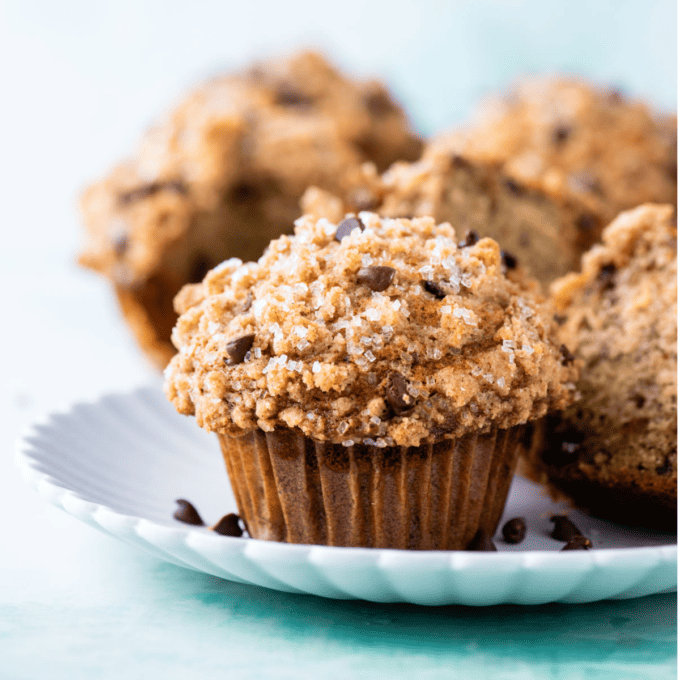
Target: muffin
[[614, 451], [370, 381], [542, 172], [223, 174]]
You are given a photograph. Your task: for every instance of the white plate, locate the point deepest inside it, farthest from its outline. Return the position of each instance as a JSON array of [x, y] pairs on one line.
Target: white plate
[[120, 463]]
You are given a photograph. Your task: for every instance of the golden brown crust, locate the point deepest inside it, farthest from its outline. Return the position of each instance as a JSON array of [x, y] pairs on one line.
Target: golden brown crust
[[392, 335]]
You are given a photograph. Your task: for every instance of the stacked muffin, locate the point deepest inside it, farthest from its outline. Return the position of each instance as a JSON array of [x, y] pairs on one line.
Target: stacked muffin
[[374, 378]]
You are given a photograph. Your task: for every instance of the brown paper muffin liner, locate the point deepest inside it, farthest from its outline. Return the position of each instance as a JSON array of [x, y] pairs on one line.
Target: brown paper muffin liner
[[432, 497]]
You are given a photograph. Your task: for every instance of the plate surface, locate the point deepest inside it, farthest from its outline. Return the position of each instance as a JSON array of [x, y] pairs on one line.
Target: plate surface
[[120, 463]]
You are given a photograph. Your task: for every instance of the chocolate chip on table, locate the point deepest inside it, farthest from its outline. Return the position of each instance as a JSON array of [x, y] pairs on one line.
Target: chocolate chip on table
[[346, 227], [288, 96], [567, 357], [471, 237], [432, 288], [237, 349], [397, 396], [514, 530], [187, 513], [578, 543], [376, 278], [228, 526], [482, 543], [561, 134], [509, 260], [564, 528]]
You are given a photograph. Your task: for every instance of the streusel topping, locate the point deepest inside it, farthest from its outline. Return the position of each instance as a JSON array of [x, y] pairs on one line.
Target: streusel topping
[[374, 330]]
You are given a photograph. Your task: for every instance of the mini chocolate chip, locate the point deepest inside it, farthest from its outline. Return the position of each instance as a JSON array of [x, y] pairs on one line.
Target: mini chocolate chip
[[376, 278], [482, 543], [514, 530], [509, 260], [379, 104], [237, 349], [199, 268], [460, 162], [288, 96], [121, 244], [586, 222], [560, 134], [564, 529], [513, 187], [471, 237], [187, 513], [346, 227], [432, 288], [397, 396], [664, 469], [228, 526], [606, 275], [578, 543], [567, 357]]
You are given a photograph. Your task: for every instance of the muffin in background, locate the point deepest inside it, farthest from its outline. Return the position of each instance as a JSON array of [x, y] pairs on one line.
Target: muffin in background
[[223, 174], [614, 451], [541, 170], [370, 381]]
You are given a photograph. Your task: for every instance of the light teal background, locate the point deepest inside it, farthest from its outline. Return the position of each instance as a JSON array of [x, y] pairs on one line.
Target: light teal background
[[80, 81]]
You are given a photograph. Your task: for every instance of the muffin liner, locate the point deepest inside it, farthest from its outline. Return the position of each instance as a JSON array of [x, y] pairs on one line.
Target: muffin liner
[[291, 488]]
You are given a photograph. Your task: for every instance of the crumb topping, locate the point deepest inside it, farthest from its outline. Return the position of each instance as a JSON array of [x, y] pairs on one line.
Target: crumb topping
[[373, 330]]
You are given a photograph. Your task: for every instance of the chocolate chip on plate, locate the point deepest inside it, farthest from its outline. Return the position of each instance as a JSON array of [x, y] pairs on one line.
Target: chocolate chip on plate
[[237, 349], [514, 530], [578, 543], [187, 513], [376, 278], [482, 543], [228, 526], [396, 393], [564, 529], [346, 227]]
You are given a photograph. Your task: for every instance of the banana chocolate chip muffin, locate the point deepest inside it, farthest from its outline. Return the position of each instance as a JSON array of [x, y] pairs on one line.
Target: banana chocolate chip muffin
[[615, 450], [370, 381], [223, 174]]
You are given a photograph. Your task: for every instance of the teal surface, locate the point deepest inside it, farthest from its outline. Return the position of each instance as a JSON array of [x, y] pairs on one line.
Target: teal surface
[[129, 615]]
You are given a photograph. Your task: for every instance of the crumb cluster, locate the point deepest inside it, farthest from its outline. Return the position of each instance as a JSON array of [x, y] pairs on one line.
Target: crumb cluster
[[374, 330]]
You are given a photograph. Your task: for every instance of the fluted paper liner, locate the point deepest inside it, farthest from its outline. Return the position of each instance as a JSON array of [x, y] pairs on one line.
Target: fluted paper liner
[[432, 497]]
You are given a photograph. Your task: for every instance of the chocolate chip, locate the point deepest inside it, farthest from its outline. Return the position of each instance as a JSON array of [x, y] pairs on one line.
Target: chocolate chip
[[199, 268], [237, 349], [514, 530], [121, 244], [290, 97], [664, 469], [606, 276], [564, 529], [578, 543], [561, 134], [346, 227], [397, 396], [560, 319], [376, 278], [379, 104], [432, 288], [509, 260], [513, 187], [187, 513], [586, 222], [228, 526], [567, 357], [471, 237], [460, 162], [482, 543]]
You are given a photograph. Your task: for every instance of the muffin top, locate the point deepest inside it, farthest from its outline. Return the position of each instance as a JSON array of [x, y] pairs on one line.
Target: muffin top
[[620, 316], [374, 330], [576, 140]]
